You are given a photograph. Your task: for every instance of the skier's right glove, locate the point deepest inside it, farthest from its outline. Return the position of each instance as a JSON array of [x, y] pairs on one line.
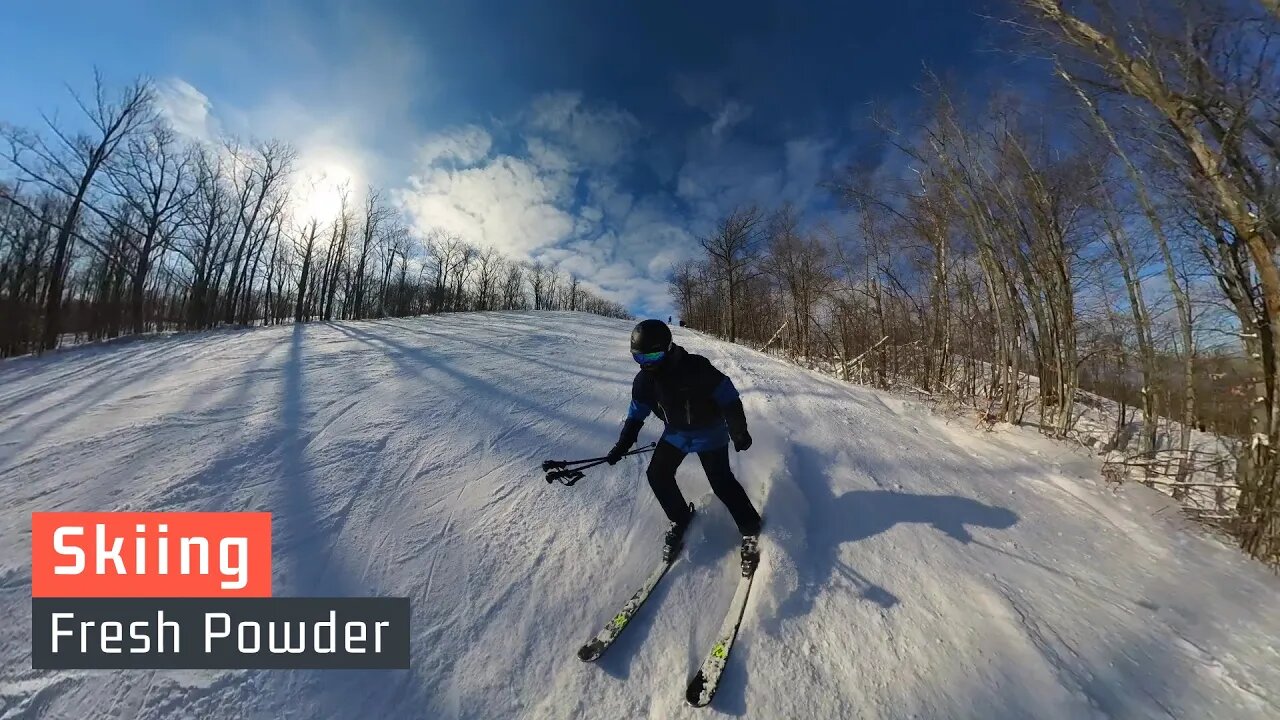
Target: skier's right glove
[[630, 433]]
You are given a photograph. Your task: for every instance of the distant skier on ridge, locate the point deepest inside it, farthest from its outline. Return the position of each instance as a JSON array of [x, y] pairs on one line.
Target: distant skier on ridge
[[702, 412]]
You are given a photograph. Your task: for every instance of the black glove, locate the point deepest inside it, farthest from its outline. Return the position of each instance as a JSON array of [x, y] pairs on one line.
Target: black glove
[[630, 433], [736, 419], [616, 454]]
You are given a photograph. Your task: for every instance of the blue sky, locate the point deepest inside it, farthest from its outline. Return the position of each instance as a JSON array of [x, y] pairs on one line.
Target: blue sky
[[598, 136]]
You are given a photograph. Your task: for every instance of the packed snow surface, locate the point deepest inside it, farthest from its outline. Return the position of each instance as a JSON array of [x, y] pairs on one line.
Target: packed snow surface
[[913, 567]]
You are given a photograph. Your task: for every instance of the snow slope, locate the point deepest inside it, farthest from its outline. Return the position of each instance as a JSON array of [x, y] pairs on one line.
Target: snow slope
[[911, 568]]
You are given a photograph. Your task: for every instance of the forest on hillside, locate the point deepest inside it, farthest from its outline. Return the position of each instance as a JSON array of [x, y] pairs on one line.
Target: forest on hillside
[[1116, 234]]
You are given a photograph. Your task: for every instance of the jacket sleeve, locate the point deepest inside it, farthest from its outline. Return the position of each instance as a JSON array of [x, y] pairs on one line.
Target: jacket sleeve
[[630, 433], [725, 393], [726, 396], [636, 414], [736, 418], [641, 400]]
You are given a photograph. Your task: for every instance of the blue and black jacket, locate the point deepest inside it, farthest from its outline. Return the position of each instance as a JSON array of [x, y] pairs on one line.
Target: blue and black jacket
[[698, 403]]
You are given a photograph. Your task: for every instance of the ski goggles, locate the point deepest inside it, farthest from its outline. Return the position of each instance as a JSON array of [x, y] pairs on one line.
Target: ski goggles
[[649, 358]]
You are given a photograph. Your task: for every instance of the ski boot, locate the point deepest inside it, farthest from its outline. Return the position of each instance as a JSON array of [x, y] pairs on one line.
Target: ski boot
[[750, 554], [674, 540]]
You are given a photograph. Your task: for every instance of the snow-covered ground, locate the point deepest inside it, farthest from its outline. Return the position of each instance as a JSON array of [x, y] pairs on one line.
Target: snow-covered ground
[[911, 567]]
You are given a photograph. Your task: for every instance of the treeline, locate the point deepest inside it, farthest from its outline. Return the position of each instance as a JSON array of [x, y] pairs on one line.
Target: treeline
[[1118, 236], [123, 227]]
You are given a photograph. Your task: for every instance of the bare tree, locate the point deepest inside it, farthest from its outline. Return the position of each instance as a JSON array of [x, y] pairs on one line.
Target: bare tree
[[153, 180], [488, 269], [375, 216], [1215, 94], [258, 177], [68, 165], [513, 297], [732, 249], [305, 246], [539, 276]]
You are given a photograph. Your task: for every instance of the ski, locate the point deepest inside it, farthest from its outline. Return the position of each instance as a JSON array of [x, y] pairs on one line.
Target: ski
[[603, 639], [703, 686]]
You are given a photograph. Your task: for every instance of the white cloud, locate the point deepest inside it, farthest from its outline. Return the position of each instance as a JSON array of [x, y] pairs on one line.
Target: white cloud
[[705, 93], [552, 183], [732, 113], [596, 136], [612, 201], [507, 202], [342, 86], [806, 162], [701, 91], [559, 203], [466, 146], [525, 205], [548, 183], [720, 175], [187, 109], [547, 156]]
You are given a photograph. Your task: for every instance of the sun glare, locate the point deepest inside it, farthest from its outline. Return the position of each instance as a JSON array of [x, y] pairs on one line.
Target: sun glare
[[317, 195]]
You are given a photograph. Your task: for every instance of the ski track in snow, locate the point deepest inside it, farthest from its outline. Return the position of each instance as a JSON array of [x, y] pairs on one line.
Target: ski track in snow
[[911, 567]]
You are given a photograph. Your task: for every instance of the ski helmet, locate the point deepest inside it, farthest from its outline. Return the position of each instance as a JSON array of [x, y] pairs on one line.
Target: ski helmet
[[650, 341]]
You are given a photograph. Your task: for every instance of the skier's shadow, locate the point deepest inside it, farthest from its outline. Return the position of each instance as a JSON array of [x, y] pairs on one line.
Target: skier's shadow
[[813, 548], [831, 521]]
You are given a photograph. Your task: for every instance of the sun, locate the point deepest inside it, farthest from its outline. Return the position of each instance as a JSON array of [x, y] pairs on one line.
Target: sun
[[318, 191], [322, 202]]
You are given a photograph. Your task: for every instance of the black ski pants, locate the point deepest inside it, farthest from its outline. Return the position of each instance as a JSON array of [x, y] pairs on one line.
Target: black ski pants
[[662, 478]]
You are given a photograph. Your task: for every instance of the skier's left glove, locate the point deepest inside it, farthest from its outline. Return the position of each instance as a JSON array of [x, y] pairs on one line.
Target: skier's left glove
[[736, 419]]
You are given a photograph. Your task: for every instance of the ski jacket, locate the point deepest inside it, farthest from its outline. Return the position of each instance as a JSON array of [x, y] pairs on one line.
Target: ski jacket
[[699, 404]]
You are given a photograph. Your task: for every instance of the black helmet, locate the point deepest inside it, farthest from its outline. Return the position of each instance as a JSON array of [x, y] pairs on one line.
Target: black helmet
[[650, 336]]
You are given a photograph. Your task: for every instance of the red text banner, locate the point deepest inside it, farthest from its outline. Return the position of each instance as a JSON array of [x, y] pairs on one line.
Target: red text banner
[[150, 554]]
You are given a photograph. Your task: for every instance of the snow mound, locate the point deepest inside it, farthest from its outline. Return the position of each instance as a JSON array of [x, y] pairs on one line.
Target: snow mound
[[911, 567]]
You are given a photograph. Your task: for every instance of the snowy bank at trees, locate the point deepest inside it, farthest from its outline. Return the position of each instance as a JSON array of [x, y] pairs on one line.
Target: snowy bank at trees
[[1202, 480]]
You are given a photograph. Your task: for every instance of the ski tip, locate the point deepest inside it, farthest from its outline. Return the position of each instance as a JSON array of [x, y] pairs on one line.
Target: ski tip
[[588, 653], [694, 695]]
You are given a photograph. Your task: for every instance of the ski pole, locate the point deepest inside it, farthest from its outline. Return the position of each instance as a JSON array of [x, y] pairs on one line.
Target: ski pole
[[569, 476], [556, 464], [602, 460]]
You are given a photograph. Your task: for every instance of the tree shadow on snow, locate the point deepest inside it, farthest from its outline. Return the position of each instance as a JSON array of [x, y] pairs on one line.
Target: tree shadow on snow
[[304, 533], [419, 361]]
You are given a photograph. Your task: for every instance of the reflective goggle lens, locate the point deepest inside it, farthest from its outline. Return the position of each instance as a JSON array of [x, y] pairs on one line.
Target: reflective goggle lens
[[650, 357]]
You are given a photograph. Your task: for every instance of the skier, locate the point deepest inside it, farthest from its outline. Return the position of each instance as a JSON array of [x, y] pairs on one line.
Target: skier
[[702, 412]]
